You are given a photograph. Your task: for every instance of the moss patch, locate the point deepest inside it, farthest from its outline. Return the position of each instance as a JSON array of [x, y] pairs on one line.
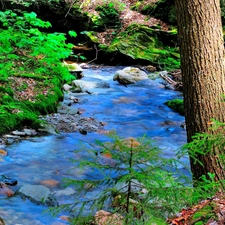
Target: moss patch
[[177, 105], [141, 42]]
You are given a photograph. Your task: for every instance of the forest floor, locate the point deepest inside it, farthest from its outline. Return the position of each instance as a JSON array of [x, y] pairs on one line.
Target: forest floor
[[210, 211]]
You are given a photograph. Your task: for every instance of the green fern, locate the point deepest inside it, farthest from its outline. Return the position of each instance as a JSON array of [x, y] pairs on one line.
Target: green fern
[[136, 182]]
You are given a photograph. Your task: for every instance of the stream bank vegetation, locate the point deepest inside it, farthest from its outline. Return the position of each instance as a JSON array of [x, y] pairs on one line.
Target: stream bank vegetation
[[138, 185], [111, 31], [31, 71]]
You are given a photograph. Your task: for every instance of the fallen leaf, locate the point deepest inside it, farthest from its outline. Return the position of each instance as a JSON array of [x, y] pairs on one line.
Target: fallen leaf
[[107, 155]]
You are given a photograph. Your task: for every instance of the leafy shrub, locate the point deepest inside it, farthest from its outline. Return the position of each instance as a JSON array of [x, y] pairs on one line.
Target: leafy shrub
[[25, 51], [109, 14]]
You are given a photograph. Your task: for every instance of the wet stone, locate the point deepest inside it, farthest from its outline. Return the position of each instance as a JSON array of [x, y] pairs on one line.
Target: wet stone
[[2, 221], [7, 180], [38, 194], [30, 132], [19, 133]]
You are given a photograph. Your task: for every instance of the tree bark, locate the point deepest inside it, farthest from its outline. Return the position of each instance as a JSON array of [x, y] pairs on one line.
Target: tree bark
[[202, 63]]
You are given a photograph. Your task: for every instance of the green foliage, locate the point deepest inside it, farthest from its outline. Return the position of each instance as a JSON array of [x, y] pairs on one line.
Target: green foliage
[[15, 116], [28, 3], [25, 48], [25, 51], [206, 143], [109, 14], [177, 105], [72, 33], [92, 36], [133, 179], [136, 182]]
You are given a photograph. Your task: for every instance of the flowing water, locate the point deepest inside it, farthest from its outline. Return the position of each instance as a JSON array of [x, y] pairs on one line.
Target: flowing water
[[132, 111]]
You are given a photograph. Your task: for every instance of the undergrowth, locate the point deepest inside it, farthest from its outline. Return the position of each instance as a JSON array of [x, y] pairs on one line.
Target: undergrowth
[[133, 179], [28, 51]]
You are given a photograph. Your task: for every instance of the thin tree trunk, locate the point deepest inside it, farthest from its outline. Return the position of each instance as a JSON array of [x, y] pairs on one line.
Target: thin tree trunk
[[202, 63]]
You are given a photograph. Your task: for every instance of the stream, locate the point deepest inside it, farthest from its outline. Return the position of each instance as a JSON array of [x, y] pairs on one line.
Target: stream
[[132, 111]]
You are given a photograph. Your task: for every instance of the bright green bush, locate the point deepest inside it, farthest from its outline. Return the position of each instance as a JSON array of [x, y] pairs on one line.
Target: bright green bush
[[28, 52]]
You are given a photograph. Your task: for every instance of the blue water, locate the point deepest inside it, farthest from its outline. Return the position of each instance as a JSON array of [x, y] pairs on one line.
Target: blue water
[[131, 111]]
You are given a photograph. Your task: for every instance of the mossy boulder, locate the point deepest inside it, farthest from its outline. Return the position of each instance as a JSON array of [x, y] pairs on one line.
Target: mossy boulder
[[140, 42], [177, 105]]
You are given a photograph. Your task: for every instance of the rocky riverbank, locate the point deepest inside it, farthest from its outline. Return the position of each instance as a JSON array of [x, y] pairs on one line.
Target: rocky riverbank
[[69, 115]]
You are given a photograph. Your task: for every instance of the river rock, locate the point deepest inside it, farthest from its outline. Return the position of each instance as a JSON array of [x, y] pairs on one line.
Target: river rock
[[89, 85], [151, 68], [70, 123], [2, 221], [19, 133], [7, 180], [10, 139], [38, 194], [49, 183], [130, 75], [48, 128], [30, 132], [65, 109], [65, 192], [67, 87], [3, 152], [105, 218], [74, 69]]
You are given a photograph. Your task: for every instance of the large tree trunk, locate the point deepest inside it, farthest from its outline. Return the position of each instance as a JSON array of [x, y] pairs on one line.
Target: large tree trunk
[[202, 64]]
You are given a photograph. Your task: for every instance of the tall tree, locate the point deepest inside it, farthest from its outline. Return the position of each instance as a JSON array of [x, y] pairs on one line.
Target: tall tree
[[202, 64]]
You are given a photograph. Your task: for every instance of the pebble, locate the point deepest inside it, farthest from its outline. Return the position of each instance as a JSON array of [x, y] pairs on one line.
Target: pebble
[[18, 133], [3, 152]]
